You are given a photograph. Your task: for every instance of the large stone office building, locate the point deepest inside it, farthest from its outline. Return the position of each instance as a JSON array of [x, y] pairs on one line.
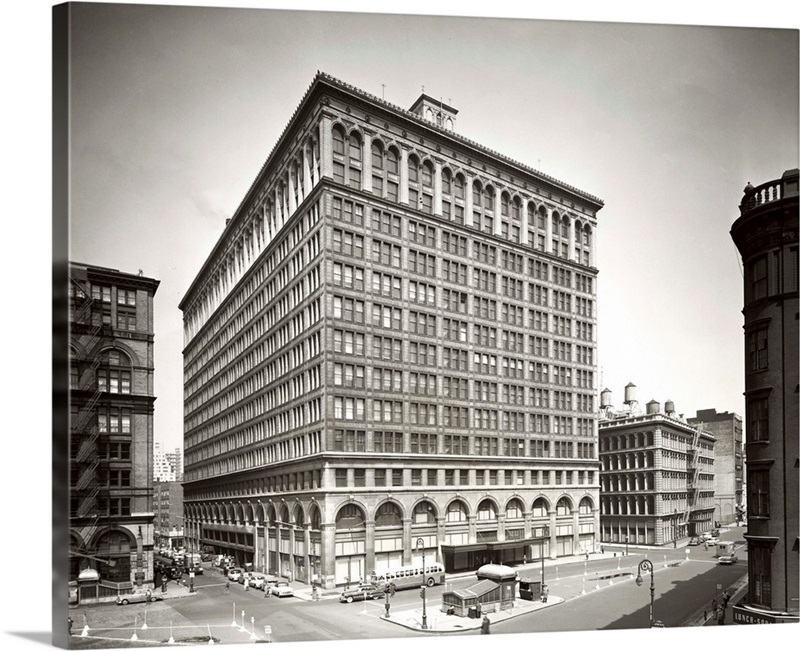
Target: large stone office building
[[111, 428], [766, 235], [390, 352], [657, 474]]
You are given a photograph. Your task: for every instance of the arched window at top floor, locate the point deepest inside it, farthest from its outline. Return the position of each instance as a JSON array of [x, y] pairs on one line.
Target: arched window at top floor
[[427, 174], [377, 155], [392, 161], [355, 147], [413, 169], [516, 208], [459, 185], [488, 198], [447, 181], [338, 140]]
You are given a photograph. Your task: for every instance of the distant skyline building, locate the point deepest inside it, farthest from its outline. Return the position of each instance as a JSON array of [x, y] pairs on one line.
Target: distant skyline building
[[766, 236], [390, 353], [657, 473], [166, 465], [163, 470], [111, 427], [728, 462]]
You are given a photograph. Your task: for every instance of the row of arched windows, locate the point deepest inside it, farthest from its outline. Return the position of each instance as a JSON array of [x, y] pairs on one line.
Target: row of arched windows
[[568, 238], [387, 514]]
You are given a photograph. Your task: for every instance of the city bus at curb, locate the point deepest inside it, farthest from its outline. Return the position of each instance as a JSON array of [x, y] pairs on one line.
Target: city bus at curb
[[410, 576]]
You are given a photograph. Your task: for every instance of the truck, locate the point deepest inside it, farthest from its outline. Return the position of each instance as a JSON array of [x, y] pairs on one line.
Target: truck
[[191, 563]]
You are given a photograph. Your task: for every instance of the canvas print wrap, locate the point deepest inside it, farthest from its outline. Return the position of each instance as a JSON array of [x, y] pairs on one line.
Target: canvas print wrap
[[338, 341]]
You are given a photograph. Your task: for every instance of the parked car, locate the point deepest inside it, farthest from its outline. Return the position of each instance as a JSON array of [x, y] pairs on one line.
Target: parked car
[[256, 580], [694, 540], [282, 589], [270, 582], [362, 592], [137, 598], [244, 578], [711, 541], [173, 572], [728, 559], [234, 573]]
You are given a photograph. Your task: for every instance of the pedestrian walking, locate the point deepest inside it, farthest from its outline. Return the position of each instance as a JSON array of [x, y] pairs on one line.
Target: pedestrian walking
[[69, 625], [227, 587], [485, 623], [705, 546], [725, 598], [545, 592], [720, 614]]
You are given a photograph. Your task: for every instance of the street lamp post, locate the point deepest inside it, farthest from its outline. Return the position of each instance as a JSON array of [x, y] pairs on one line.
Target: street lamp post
[[648, 567], [545, 533], [189, 566], [421, 547]]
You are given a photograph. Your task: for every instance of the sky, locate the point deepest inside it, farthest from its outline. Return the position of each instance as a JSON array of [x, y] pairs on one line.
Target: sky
[[175, 110]]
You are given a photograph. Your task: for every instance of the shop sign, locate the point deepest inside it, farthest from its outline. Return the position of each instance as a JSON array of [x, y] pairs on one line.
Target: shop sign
[[748, 616]]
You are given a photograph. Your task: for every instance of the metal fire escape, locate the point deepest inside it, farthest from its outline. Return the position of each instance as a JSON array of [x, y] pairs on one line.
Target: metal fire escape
[[87, 329], [692, 478]]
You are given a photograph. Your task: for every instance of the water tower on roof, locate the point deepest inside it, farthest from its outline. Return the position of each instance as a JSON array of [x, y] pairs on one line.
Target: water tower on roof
[[631, 402]]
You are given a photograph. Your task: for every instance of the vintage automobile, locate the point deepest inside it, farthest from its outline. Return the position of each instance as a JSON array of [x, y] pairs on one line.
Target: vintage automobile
[[361, 592], [728, 559], [694, 540], [137, 598], [234, 573], [256, 580], [281, 589]]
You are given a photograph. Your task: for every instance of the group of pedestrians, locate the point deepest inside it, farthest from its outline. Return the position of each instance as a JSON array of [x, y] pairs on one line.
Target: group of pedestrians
[[721, 606]]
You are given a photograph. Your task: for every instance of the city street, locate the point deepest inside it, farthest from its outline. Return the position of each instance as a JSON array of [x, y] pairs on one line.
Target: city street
[[598, 594]]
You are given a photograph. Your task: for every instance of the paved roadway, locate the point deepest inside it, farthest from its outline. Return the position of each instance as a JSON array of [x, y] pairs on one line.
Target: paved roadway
[[599, 594]]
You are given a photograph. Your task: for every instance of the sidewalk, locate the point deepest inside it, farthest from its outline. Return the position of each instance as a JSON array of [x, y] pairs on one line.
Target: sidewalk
[[439, 622]]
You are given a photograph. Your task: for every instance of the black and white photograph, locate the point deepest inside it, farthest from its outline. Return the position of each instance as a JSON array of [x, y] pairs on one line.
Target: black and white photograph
[[410, 323]]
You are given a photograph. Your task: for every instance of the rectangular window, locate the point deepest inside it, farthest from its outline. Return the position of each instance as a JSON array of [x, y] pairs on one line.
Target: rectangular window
[[760, 566], [758, 492], [758, 278], [757, 350], [758, 419]]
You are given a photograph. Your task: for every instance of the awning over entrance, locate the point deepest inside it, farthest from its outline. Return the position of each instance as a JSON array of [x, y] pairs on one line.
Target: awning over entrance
[[459, 558]]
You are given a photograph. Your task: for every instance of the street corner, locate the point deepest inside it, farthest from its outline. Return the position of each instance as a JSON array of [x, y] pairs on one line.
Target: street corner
[[440, 622]]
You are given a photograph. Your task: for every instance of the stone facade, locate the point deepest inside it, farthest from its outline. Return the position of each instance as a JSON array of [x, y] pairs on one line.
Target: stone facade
[[390, 353]]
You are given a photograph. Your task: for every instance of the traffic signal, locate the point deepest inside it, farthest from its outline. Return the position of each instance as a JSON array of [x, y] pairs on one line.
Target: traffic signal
[[422, 592]]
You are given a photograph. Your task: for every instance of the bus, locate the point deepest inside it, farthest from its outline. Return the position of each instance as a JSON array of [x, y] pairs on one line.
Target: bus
[[410, 576]]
